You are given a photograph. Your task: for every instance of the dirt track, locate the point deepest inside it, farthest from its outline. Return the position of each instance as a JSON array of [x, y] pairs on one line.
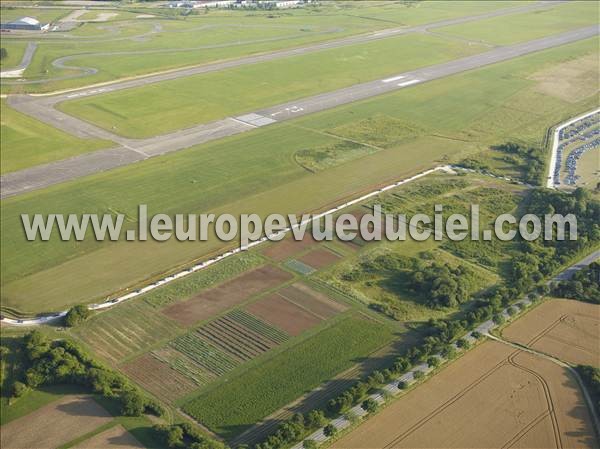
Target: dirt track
[[566, 329]]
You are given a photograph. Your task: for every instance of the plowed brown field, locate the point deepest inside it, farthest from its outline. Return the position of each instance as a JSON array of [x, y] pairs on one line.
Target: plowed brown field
[[54, 424], [494, 396], [227, 295], [319, 258], [566, 329], [316, 302], [284, 314], [288, 247]]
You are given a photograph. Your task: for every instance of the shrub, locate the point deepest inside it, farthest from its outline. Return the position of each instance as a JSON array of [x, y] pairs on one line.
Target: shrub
[[78, 314]]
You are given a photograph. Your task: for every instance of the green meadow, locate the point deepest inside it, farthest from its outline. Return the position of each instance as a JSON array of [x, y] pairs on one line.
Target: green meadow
[[171, 105], [27, 142]]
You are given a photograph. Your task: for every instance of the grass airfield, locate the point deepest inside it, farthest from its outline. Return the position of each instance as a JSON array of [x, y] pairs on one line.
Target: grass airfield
[[239, 347]]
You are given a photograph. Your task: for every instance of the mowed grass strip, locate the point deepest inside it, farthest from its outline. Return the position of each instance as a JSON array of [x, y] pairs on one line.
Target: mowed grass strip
[[27, 142], [230, 407], [126, 330], [171, 105]]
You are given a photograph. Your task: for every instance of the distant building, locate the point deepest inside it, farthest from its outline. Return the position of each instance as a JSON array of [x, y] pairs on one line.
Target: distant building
[[25, 23]]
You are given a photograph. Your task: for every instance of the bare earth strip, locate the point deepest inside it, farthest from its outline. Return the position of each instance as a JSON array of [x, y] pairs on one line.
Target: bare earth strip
[[54, 424], [494, 396], [284, 314], [114, 438], [566, 329]]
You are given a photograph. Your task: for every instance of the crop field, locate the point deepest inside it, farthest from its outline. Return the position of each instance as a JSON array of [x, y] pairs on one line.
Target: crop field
[[129, 329], [116, 438], [264, 388], [497, 396], [482, 107], [563, 328], [227, 295], [319, 258], [158, 377], [27, 142], [235, 339], [160, 108], [284, 314], [55, 424]]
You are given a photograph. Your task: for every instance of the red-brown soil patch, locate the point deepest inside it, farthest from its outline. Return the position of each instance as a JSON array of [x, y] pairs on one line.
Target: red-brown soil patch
[[226, 295], [285, 315], [316, 302], [319, 258], [288, 247]]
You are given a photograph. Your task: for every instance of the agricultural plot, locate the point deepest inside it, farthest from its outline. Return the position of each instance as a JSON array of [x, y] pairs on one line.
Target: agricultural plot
[[265, 388], [235, 339], [226, 295], [279, 312], [299, 267], [204, 354], [288, 247], [158, 377], [315, 302], [55, 424], [126, 330], [319, 258], [496, 395], [566, 329]]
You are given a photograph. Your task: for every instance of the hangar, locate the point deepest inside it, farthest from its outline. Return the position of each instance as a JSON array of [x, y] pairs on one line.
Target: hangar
[[25, 23]]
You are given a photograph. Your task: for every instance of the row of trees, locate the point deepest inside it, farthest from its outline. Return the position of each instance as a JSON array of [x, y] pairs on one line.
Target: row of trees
[[591, 378], [184, 436], [52, 362]]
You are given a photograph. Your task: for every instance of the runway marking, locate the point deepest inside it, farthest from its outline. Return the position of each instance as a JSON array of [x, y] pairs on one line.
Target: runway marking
[[408, 83], [395, 78]]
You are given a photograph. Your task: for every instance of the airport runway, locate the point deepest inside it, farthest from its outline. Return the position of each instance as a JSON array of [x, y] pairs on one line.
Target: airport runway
[[205, 68], [132, 150]]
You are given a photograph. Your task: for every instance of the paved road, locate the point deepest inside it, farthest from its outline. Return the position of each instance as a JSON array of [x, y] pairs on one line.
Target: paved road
[[131, 150], [569, 272]]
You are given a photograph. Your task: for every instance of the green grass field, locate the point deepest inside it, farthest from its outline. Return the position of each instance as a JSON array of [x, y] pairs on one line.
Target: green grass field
[[266, 387], [533, 25], [221, 34], [256, 172], [168, 106], [14, 54], [27, 142]]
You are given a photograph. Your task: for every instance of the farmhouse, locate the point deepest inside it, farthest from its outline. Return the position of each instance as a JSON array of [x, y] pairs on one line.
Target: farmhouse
[[25, 23]]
